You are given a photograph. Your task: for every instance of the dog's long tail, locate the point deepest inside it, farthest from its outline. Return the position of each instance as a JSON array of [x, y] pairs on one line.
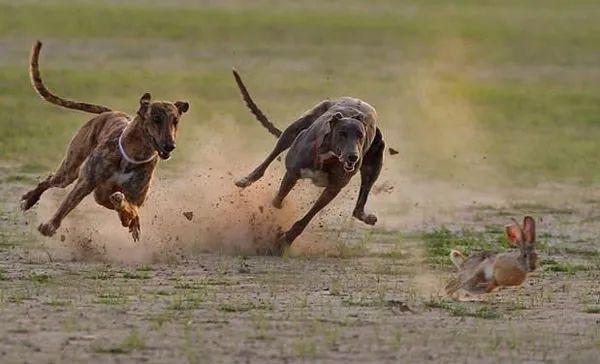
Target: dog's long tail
[[262, 118], [40, 88]]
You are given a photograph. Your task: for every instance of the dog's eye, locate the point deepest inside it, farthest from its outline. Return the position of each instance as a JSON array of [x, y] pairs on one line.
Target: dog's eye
[[156, 118]]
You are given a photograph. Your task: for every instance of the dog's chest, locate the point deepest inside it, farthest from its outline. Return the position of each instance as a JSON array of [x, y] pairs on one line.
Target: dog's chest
[[319, 178], [121, 177]]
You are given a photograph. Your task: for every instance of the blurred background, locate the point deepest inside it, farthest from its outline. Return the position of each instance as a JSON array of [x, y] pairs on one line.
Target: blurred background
[[469, 93], [493, 106]]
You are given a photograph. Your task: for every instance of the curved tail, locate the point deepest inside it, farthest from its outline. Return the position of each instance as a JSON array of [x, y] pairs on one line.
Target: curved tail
[[262, 118], [40, 88]]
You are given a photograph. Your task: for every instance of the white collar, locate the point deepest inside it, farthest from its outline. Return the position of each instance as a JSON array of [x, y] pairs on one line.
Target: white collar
[[128, 158]]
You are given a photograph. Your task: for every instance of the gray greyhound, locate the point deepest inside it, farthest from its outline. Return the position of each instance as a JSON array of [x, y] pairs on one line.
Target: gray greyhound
[[328, 144]]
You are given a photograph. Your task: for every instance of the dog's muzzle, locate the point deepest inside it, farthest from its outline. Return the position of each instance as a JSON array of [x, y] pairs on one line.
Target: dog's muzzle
[[164, 150], [349, 162], [349, 167]]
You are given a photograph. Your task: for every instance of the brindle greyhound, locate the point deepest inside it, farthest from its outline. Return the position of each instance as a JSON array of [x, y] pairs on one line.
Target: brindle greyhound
[[328, 144], [113, 155]]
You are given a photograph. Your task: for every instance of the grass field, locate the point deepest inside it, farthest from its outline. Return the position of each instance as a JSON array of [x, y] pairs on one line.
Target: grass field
[[494, 108]]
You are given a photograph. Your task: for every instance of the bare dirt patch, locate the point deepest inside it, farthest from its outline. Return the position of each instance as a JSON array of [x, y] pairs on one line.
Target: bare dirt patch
[[346, 293]]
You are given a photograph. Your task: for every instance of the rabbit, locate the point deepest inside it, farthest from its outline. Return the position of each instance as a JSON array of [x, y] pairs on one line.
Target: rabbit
[[482, 272]]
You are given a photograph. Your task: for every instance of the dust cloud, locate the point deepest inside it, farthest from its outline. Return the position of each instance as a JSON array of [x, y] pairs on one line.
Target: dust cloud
[[200, 209], [190, 211]]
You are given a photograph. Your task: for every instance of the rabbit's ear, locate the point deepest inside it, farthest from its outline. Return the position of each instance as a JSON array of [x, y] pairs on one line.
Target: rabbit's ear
[[514, 234], [529, 229]]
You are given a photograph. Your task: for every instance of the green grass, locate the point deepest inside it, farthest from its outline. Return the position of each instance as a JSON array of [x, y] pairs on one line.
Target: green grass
[[244, 306], [463, 309], [132, 342], [566, 266], [112, 298], [592, 309], [486, 92], [185, 302], [40, 278], [440, 242], [140, 274]]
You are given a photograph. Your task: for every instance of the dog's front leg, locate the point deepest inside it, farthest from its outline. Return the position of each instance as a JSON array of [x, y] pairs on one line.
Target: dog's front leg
[[82, 188], [369, 172], [287, 183], [328, 194], [128, 213]]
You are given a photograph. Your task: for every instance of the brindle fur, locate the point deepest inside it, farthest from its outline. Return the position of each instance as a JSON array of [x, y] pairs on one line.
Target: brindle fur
[[330, 143], [93, 160]]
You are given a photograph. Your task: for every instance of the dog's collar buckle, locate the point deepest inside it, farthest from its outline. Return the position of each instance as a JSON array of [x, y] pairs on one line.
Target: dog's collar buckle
[[128, 158]]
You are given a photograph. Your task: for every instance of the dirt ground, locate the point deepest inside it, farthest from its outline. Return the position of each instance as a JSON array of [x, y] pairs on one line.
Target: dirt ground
[[494, 110], [349, 294]]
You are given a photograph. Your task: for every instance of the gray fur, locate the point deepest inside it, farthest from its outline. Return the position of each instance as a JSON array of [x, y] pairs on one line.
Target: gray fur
[[329, 143]]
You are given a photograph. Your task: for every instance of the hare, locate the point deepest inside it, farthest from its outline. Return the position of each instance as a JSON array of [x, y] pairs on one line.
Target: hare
[[482, 272]]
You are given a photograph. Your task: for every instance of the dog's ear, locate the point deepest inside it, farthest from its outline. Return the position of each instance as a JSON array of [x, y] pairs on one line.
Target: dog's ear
[[144, 103], [182, 106], [326, 127]]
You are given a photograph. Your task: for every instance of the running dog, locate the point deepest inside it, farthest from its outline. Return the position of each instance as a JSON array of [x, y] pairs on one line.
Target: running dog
[[113, 155], [328, 144]]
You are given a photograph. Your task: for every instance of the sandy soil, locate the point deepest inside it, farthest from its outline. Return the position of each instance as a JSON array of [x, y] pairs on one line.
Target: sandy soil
[[344, 293]]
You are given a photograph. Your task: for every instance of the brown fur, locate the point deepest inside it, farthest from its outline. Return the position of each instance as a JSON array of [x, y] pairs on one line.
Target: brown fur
[[482, 272], [94, 161]]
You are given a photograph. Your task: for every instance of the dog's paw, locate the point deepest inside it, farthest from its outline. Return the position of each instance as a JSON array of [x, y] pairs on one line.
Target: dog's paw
[[47, 229], [279, 247], [26, 204], [368, 219], [243, 182], [134, 228], [28, 200], [117, 199]]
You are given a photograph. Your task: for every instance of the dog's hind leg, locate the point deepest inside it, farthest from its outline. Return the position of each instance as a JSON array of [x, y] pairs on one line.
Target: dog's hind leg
[[287, 183], [82, 188], [326, 197], [285, 141], [369, 171], [78, 150]]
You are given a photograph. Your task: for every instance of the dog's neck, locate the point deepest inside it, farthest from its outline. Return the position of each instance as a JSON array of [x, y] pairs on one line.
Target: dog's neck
[[136, 143]]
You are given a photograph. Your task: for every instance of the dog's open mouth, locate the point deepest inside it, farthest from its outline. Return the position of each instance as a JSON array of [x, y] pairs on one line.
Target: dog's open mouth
[[349, 166], [163, 154]]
